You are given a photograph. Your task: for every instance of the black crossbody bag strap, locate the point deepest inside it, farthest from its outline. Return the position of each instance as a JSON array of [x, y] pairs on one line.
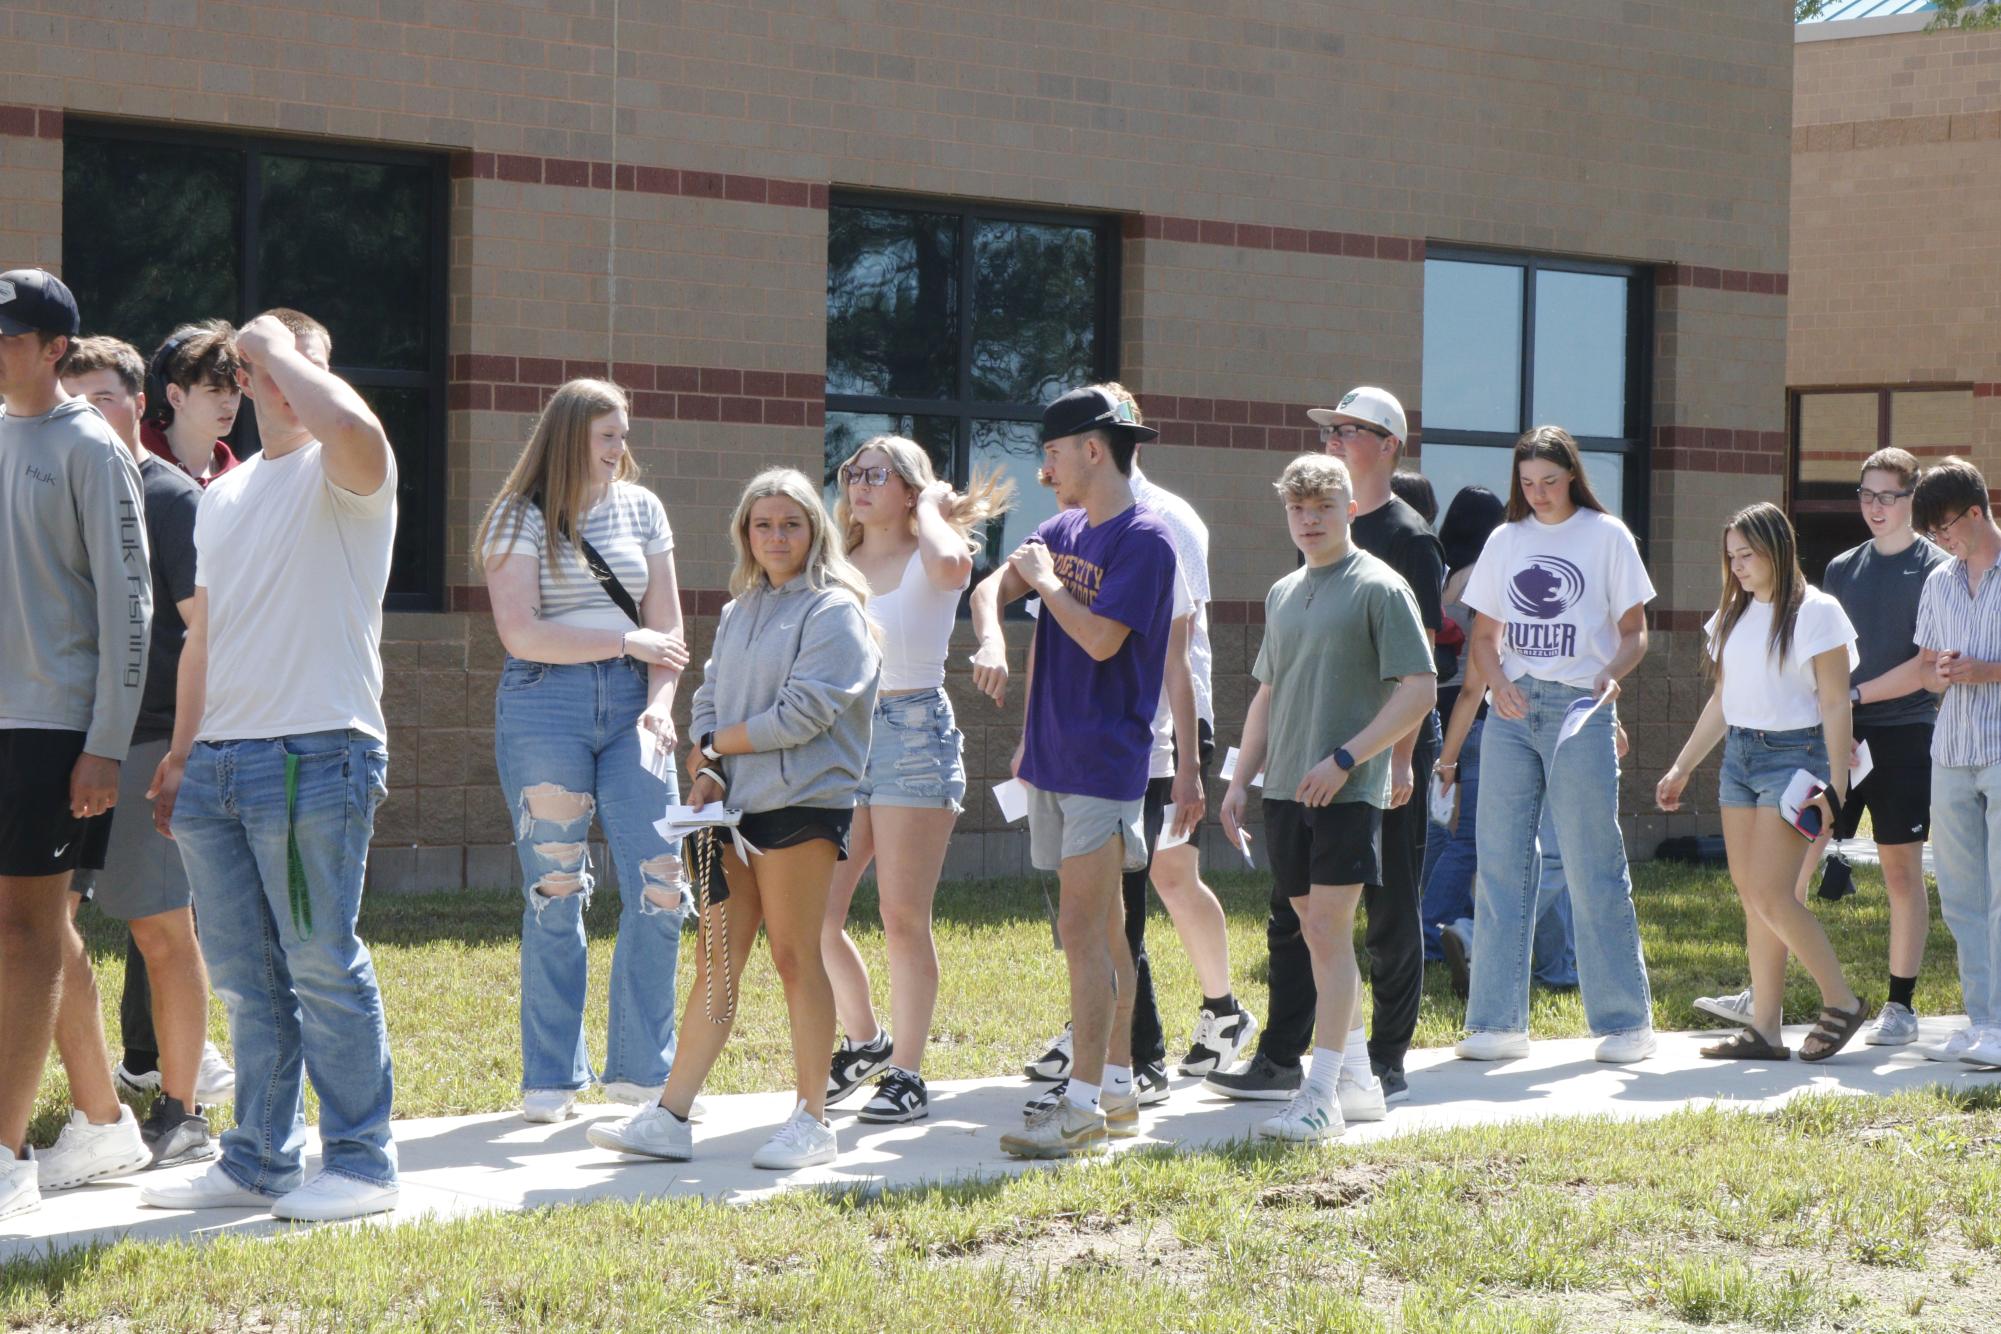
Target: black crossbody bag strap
[[601, 571]]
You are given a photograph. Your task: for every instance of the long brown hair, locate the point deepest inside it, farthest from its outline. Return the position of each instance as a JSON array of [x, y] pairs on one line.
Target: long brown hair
[[1551, 444], [1766, 530], [987, 496], [554, 470]]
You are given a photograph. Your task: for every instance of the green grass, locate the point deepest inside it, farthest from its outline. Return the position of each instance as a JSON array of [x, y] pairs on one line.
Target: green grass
[[1850, 1213]]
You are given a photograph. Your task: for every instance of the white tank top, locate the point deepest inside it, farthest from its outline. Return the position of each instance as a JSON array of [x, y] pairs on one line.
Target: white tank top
[[916, 621]]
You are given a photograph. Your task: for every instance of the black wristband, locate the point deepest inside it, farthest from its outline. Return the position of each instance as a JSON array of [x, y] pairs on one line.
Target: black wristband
[[1343, 760]]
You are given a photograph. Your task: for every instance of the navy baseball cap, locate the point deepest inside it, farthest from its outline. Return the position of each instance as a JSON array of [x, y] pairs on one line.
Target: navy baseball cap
[[1091, 409], [32, 301]]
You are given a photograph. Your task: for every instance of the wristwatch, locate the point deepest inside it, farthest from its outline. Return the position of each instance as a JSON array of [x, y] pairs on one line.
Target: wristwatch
[[1343, 758], [708, 744], [1855, 694]]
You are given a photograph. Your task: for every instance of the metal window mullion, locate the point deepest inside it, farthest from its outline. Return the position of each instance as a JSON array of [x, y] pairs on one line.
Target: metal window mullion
[[962, 444], [1526, 409]]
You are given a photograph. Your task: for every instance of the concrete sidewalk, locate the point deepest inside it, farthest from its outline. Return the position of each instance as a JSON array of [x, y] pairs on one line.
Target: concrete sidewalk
[[464, 1165]]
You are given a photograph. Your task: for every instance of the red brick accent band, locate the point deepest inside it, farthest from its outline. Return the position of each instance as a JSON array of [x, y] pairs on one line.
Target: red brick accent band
[[1259, 236], [20, 122], [1987, 391], [593, 174], [1719, 449], [483, 382], [1239, 423], [1754, 281]]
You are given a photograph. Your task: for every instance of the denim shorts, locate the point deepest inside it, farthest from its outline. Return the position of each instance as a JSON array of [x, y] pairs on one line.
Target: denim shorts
[[1757, 765], [915, 754]]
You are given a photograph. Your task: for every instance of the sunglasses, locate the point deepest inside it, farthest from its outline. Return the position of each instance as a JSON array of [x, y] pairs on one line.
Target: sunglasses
[[878, 476], [1868, 497]]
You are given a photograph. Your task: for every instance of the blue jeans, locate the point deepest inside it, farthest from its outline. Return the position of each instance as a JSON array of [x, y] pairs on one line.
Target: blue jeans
[[1555, 940], [1966, 840], [1449, 854], [285, 959], [566, 742], [1520, 764]]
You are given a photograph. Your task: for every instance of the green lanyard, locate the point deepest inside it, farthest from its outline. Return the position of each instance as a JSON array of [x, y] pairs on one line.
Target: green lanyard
[[295, 865]]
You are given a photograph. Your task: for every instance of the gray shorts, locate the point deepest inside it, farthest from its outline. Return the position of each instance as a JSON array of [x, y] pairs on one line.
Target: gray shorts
[[1062, 825], [142, 873]]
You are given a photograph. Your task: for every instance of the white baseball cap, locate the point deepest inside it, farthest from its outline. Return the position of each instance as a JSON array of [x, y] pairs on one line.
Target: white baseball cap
[[1367, 404]]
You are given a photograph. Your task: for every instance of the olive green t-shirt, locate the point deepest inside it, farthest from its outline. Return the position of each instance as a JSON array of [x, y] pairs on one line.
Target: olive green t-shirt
[[1336, 640]]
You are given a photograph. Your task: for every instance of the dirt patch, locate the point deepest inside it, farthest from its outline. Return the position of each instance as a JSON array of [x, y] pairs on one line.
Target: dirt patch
[[1345, 1188]]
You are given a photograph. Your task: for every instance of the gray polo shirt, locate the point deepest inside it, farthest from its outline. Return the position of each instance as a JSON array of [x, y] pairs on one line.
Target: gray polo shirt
[[1880, 594]]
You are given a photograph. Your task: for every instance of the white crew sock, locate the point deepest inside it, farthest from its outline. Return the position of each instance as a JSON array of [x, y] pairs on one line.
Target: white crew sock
[[1356, 1056], [1118, 1079], [1322, 1072], [1083, 1095]]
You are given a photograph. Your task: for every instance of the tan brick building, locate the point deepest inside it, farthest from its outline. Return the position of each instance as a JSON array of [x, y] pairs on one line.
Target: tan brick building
[[1896, 289], [1253, 204]]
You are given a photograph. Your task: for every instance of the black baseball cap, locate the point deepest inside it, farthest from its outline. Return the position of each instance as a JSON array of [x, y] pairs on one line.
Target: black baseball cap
[[1091, 409], [32, 301]]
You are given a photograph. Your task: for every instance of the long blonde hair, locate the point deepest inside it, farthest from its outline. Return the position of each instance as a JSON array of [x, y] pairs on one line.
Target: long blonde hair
[[825, 566], [989, 495], [554, 470]]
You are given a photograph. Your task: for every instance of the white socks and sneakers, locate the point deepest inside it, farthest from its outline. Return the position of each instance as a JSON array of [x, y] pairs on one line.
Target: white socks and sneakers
[[326, 1198], [1357, 1089], [85, 1151], [1314, 1114]]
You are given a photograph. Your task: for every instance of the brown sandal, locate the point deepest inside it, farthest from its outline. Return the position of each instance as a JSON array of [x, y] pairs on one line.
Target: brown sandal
[[1748, 1045], [1833, 1031]]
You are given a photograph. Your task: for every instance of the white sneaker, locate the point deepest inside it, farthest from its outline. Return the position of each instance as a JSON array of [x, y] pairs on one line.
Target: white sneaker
[[803, 1141], [1730, 1009], [1984, 1053], [137, 1085], [213, 1189], [1895, 1026], [1949, 1050], [1492, 1045], [330, 1196], [1626, 1048], [1305, 1120], [1053, 1064], [545, 1106], [1060, 1130], [1360, 1096], [86, 1152], [632, 1095], [215, 1081], [20, 1188], [650, 1132]]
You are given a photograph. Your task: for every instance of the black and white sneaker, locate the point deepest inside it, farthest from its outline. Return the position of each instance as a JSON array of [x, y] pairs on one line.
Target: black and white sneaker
[[173, 1134], [1150, 1083], [854, 1062], [1395, 1087], [1054, 1063], [1219, 1040], [899, 1096], [1048, 1098], [1260, 1078]]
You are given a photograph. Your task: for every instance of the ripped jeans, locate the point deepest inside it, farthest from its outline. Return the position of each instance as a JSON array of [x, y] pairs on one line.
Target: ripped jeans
[[565, 741]]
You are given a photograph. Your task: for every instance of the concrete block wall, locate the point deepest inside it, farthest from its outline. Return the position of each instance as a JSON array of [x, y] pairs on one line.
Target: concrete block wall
[[642, 191]]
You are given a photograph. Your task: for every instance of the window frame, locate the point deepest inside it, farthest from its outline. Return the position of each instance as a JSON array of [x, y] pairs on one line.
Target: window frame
[[1636, 446], [962, 408], [433, 378], [1839, 497]]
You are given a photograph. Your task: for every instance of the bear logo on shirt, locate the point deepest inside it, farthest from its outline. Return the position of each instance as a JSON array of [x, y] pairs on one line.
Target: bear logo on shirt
[[1545, 587]]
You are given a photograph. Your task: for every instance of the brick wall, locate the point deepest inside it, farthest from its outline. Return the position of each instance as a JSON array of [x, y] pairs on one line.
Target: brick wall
[[642, 190]]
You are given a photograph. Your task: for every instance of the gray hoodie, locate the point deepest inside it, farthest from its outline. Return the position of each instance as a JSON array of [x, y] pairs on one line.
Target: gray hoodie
[[76, 593], [798, 667]]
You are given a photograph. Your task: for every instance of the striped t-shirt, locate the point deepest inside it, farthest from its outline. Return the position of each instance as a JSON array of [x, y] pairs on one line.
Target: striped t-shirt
[[1951, 617], [626, 527]]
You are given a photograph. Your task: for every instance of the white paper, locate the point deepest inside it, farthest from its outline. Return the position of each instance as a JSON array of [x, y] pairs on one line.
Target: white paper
[[1244, 846], [1444, 801], [1168, 838], [1013, 799], [1799, 793], [681, 821], [1229, 770], [1862, 767], [655, 758], [1579, 714]]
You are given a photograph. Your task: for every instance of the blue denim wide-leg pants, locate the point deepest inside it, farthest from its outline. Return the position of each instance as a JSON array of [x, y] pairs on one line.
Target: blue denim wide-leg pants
[[567, 747], [1520, 762], [282, 950]]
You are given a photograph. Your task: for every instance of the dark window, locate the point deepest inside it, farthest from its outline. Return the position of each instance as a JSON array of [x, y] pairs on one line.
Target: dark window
[[954, 324], [161, 228], [1513, 341], [1834, 430]]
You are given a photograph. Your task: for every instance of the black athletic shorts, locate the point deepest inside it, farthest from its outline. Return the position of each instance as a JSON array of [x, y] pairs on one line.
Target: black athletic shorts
[[1898, 791], [1341, 844], [38, 835], [789, 826]]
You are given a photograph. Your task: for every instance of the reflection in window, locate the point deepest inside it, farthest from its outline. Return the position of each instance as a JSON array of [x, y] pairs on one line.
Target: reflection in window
[[1836, 432], [848, 431], [1030, 281], [1472, 346], [1016, 449], [892, 303], [1580, 352]]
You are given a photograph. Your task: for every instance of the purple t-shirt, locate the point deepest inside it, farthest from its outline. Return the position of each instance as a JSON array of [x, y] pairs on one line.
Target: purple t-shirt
[[1090, 723]]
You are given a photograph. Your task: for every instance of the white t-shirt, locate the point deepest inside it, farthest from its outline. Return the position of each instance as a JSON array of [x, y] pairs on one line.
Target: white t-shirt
[[1191, 550], [1559, 589], [625, 527], [916, 620], [1761, 692], [295, 570]]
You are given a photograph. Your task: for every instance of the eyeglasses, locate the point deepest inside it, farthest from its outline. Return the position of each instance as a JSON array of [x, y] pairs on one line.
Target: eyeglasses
[[1868, 497], [873, 476], [1941, 530], [1349, 430]]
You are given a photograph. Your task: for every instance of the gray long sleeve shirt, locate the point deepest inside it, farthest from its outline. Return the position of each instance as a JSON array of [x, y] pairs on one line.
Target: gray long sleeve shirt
[[76, 596], [799, 668]]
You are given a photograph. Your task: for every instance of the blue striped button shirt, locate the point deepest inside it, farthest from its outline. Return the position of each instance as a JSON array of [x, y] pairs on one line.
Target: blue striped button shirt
[[1951, 616]]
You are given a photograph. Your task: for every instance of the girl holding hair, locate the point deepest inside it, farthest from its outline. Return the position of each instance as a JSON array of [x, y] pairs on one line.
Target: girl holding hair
[[579, 565], [909, 535], [1561, 596], [781, 724], [1780, 652]]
